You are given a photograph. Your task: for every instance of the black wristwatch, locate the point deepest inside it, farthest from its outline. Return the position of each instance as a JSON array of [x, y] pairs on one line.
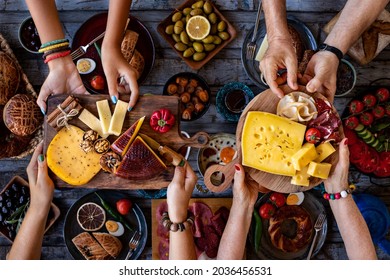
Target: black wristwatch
[[336, 51]]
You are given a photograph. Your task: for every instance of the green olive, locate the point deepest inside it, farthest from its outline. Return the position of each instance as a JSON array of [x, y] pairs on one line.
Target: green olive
[[207, 8], [188, 18], [176, 37], [187, 11], [199, 56], [213, 29], [198, 47], [221, 26], [213, 18], [169, 29], [208, 40], [184, 37], [179, 27], [177, 16], [188, 52], [217, 40], [197, 5], [224, 35], [180, 46], [209, 47], [196, 12]]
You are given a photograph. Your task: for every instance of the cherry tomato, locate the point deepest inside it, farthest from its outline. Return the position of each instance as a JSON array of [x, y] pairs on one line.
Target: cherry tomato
[[266, 210], [124, 206], [382, 94], [356, 106], [97, 82], [351, 135], [378, 112], [352, 122], [313, 135], [366, 118], [369, 100], [278, 199]]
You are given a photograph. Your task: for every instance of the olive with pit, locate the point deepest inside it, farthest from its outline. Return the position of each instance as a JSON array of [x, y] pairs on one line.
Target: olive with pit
[[179, 27], [199, 56], [217, 40], [177, 16], [196, 12], [187, 11], [213, 18], [198, 4], [188, 52], [224, 35], [169, 29], [208, 40], [209, 47], [176, 37], [184, 37], [198, 47], [221, 26], [207, 8], [180, 46]]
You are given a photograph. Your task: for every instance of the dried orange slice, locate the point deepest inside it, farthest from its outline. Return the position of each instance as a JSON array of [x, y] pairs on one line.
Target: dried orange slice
[[91, 216], [198, 27]]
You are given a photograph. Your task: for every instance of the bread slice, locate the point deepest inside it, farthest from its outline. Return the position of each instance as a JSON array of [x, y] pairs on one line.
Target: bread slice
[[9, 77], [138, 63], [89, 247], [110, 243], [128, 44]]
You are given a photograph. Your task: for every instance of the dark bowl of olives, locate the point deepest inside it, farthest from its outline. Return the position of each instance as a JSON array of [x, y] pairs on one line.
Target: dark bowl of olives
[[28, 36]]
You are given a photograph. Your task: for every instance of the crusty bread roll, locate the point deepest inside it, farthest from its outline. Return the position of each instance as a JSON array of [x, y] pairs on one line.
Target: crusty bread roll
[[297, 42], [138, 63], [128, 44], [9, 77]]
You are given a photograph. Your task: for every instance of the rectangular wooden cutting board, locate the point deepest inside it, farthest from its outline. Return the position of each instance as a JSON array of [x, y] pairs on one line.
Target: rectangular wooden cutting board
[[146, 105], [213, 203]]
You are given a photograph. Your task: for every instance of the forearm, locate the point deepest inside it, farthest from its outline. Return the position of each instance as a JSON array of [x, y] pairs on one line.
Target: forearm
[[355, 18], [181, 245], [276, 19], [117, 17], [45, 16], [232, 245]]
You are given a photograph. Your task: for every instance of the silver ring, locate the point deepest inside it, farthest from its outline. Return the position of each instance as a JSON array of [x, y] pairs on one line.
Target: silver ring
[[122, 80]]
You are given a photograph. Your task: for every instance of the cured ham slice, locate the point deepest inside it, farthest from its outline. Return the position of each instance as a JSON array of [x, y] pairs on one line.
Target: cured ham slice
[[122, 143]]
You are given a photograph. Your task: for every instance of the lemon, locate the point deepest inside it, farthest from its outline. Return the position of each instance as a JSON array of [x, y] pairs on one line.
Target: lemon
[[198, 27], [91, 216]]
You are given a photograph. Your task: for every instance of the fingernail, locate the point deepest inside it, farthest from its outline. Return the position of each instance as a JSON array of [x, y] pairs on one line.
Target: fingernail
[[113, 99], [237, 167], [41, 158], [346, 141], [129, 109], [43, 111]]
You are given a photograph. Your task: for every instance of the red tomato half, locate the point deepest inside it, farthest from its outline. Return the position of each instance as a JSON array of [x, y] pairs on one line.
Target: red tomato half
[[278, 199], [351, 135], [370, 162], [97, 82]]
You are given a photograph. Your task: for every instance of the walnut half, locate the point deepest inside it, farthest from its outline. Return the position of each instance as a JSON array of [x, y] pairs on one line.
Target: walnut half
[[110, 161], [101, 146]]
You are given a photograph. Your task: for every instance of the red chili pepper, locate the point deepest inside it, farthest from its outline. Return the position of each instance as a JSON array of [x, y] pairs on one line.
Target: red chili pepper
[[162, 120]]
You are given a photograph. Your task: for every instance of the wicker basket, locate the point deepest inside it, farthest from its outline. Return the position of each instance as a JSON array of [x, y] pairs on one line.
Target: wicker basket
[[26, 88]]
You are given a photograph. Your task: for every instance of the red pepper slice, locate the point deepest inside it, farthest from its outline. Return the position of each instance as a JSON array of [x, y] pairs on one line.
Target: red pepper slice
[[162, 120]]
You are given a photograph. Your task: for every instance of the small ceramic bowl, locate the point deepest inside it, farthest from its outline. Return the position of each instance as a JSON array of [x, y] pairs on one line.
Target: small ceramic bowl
[[232, 99], [28, 36], [346, 78], [185, 151]]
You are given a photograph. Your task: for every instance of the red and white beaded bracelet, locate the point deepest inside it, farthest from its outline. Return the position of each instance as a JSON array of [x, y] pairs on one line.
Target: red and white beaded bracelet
[[342, 194]]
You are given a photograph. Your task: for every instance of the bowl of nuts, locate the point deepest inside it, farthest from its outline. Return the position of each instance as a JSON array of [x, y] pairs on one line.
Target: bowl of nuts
[[194, 94], [196, 31]]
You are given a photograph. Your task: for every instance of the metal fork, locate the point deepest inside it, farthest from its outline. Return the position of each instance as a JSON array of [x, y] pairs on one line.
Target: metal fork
[[317, 227], [133, 243], [251, 46], [83, 49]]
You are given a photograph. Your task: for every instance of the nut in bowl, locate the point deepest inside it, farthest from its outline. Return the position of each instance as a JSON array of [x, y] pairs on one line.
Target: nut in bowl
[[194, 94], [197, 31]]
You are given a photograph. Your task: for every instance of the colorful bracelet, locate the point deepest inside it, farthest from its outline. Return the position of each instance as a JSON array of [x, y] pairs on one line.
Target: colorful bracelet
[[342, 194], [166, 222], [52, 47], [61, 49], [54, 42], [56, 55]]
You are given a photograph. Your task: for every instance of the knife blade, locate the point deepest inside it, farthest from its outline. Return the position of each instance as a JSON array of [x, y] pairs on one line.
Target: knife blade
[[170, 155]]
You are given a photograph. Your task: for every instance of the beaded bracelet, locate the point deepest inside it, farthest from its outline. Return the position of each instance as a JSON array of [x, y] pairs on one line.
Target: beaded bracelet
[[342, 194], [52, 47], [56, 55], [54, 42], [166, 222], [60, 49]]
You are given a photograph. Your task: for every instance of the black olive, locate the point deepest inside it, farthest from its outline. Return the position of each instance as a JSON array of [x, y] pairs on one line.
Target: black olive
[[15, 187], [4, 210], [1, 218], [22, 200], [1, 204], [7, 193], [1, 198], [9, 204], [11, 234]]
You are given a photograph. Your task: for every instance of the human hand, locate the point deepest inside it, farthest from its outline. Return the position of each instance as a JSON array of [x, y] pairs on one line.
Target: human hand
[[179, 193], [338, 180], [320, 74], [115, 66], [41, 186], [245, 192], [280, 55], [63, 78]]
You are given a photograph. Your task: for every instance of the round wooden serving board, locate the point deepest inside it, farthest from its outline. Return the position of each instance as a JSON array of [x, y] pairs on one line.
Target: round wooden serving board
[[266, 101]]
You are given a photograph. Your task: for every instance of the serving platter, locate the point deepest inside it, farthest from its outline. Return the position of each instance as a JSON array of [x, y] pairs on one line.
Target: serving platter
[[266, 101], [135, 218], [146, 105]]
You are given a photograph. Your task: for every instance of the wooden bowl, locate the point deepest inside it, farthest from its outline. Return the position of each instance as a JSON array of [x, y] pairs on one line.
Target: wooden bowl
[[190, 62]]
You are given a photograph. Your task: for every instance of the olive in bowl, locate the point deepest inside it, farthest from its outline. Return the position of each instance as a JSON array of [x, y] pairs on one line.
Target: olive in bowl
[[193, 92], [28, 36]]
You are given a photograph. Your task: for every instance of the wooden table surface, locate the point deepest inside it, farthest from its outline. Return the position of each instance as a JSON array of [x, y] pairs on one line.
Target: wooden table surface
[[223, 68]]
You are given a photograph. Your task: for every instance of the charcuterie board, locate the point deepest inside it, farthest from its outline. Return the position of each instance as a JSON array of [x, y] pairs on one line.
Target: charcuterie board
[[146, 105], [266, 101]]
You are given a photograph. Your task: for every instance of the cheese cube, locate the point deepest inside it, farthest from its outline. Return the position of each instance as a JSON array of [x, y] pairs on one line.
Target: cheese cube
[[323, 151], [92, 122], [104, 114], [319, 170], [301, 178], [269, 141], [304, 156], [118, 118]]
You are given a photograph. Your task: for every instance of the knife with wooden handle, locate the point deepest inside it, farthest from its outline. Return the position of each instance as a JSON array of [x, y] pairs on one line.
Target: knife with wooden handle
[[170, 155]]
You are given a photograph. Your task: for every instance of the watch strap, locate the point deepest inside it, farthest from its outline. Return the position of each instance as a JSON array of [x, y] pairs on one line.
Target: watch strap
[[336, 51]]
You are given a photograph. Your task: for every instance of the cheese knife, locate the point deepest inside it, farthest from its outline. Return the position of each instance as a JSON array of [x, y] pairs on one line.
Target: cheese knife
[[170, 155]]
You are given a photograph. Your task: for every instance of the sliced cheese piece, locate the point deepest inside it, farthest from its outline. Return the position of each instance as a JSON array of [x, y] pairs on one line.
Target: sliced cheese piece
[[263, 48], [92, 122], [104, 114], [324, 150], [68, 161], [301, 178], [319, 170], [269, 141], [118, 118], [304, 156]]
